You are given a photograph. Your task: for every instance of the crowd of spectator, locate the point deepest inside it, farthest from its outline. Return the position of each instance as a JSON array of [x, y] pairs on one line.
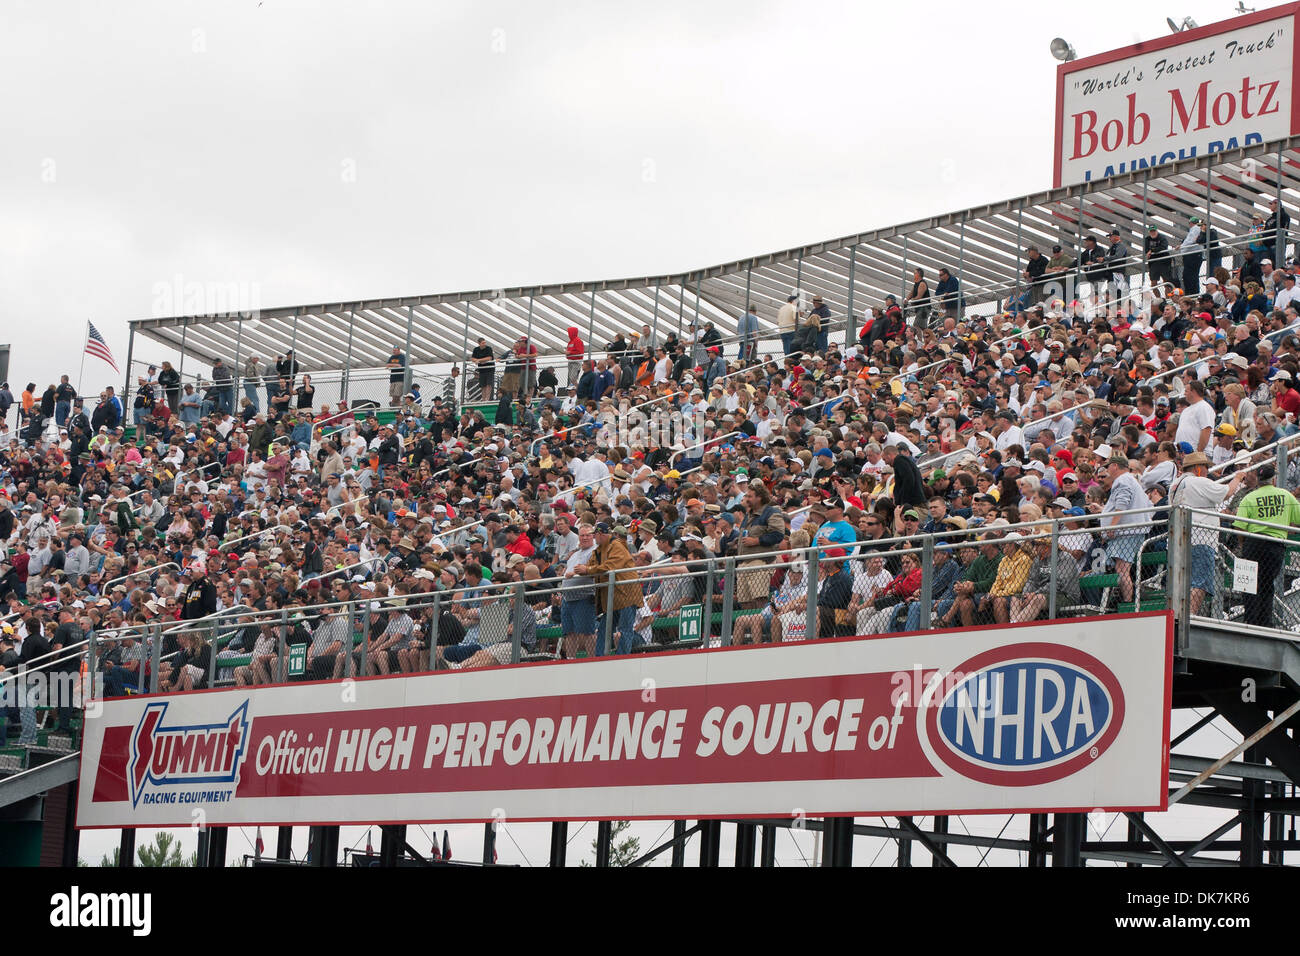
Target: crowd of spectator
[[931, 419]]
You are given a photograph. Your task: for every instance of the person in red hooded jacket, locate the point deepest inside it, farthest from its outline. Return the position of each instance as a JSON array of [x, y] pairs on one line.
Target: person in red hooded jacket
[[574, 352]]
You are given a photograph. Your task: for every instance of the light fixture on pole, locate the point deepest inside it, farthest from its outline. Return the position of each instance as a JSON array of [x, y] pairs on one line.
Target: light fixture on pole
[[1062, 50], [1187, 24]]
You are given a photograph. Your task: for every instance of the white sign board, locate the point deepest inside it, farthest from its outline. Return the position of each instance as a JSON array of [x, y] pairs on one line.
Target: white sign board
[[1245, 576], [1189, 94], [1063, 716]]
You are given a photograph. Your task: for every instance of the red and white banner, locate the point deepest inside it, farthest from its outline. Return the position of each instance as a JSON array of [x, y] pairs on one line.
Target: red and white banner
[[1188, 94], [1063, 716]]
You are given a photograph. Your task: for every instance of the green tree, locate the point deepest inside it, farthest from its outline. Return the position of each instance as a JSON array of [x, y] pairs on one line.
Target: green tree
[[110, 859], [621, 852], [164, 851]]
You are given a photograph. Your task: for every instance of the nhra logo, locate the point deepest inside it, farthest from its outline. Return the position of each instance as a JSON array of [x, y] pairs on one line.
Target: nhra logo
[[169, 756], [1023, 715]]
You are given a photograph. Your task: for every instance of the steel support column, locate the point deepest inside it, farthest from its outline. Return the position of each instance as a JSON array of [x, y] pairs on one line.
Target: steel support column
[[604, 837], [851, 325], [284, 843], [126, 386], [1252, 818], [905, 844], [392, 840], [559, 843], [746, 834], [489, 843], [1038, 839], [767, 855], [346, 378], [710, 842], [1067, 839], [679, 843], [408, 372], [1279, 236], [126, 849], [323, 846], [837, 841], [71, 835], [217, 846], [940, 826]]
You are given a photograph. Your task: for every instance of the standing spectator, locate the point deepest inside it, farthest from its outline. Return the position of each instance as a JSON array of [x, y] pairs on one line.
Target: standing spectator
[[1194, 489], [948, 293], [63, 398], [189, 406], [787, 323], [1092, 262], [611, 555], [1277, 224], [574, 351], [1193, 250], [1124, 493], [1197, 420], [1117, 264], [484, 360], [224, 380], [396, 377], [747, 329], [254, 370], [917, 304], [1035, 267], [306, 393], [528, 356], [169, 380], [578, 597], [1155, 250], [6, 401]]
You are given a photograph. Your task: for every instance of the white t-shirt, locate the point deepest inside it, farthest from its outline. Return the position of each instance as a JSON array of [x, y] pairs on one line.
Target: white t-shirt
[[1194, 418]]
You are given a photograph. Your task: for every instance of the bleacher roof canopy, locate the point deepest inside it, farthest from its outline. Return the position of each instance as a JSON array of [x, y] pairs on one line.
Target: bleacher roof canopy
[[983, 247]]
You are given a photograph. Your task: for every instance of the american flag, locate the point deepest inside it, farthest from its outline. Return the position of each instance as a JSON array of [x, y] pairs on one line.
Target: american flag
[[96, 346]]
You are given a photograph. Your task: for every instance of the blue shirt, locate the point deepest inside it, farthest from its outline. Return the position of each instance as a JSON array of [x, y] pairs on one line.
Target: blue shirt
[[837, 532]]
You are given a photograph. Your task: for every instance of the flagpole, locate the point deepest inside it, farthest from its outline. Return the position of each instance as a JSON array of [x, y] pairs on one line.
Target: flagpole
[[82, 373]]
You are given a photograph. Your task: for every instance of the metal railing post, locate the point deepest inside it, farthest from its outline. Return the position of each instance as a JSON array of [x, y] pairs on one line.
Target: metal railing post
[[349, 646], [1180, 541], [728, 600], [92, 662], [607, 647], [434, 625], [706, 627], [280, 651], [517, 620], [810, 577], [365, 640], [851, 328], [212, 654], [926, 596], [1051, 585], [407, 371], [155, 658], [1279, 235]]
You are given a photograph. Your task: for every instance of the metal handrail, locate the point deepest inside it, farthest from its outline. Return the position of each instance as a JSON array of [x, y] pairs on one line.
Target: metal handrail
[[675, 455]]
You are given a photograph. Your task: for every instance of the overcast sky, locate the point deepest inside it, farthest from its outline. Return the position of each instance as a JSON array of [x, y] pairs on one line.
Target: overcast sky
[[305, 152], [308, 152]]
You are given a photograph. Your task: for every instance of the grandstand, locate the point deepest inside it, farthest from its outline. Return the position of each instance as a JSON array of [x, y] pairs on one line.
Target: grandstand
[[295, 583]]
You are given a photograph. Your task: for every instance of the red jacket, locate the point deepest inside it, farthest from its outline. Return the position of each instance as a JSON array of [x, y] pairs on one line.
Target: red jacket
[[575, 350]]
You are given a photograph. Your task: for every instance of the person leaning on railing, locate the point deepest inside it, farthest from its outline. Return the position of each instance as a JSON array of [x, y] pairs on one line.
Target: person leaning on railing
[[1260, 511]]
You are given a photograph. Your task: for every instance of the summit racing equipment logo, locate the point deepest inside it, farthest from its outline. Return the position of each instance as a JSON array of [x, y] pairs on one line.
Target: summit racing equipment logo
[[1023, 715], [184, 756]]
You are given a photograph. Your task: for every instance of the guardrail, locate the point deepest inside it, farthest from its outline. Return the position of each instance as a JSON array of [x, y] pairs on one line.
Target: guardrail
[[1049, 569]]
